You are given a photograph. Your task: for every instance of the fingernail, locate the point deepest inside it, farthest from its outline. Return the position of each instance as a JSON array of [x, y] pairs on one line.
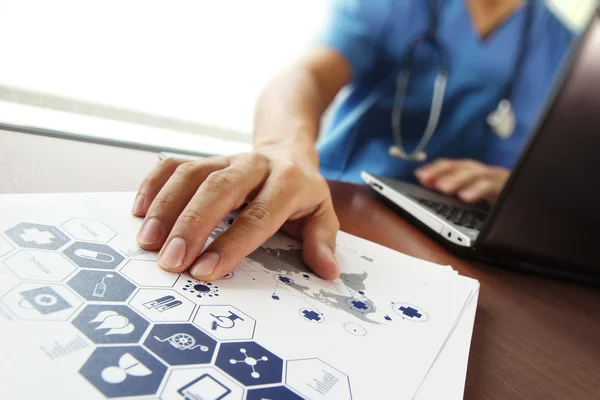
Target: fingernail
[[468, 196], [446, 185], [331, 256], [138, 204], [173, 254], [420, 173], [206, 264], [151, 231]]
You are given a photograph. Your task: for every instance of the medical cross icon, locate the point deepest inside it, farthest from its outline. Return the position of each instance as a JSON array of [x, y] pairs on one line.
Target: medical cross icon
[[359, 305], [411, 312], [312, 315], [37, 236], [30, 235], [46, 300]]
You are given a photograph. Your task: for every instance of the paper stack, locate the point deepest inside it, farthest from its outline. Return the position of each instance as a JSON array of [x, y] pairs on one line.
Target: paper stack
[[85, 313]]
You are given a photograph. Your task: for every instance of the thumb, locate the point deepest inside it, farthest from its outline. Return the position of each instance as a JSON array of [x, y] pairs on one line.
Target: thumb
[[319, 234]]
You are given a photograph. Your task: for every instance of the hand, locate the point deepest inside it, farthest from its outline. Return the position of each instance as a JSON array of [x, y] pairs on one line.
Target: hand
[[470, 180], [182, 202]]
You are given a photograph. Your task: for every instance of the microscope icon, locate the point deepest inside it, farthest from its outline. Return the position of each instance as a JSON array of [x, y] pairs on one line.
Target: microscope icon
[[225, 321]]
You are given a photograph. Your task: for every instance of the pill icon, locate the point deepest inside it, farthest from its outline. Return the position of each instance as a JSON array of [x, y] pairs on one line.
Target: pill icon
[[94, 255]]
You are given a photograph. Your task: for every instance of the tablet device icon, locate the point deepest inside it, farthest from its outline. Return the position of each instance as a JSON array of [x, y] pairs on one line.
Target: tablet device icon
[[204, 387]]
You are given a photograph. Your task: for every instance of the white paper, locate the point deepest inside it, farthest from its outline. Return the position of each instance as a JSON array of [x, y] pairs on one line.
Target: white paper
[[85, 313], [446, 380]]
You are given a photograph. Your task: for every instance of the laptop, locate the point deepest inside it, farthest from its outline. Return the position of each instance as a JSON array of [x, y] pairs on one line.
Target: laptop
[[547, 218]]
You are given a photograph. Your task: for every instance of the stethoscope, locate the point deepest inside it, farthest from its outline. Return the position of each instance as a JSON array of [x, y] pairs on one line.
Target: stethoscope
[[502, 121]]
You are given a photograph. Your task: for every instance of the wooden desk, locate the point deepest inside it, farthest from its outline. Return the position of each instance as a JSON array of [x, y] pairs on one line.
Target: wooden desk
[[534, 338]]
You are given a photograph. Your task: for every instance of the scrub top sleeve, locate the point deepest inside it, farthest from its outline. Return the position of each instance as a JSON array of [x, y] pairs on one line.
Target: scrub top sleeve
[[355, 29]]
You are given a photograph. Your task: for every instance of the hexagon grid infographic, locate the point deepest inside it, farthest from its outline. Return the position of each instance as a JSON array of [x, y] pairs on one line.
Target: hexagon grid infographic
[[151, 335], [124, 371], [161, 305], [249, 363], [95, 285], [274, 392], [181, 344], [225, 322], [37, 265], [316, 379], [200, 383], [89, 230], [42, 302], [146, 273], [111, 324], [93, 255], [5, 247], [37, 236]]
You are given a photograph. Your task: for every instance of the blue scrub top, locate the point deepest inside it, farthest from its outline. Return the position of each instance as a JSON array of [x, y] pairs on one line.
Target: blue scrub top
[[374, 37]]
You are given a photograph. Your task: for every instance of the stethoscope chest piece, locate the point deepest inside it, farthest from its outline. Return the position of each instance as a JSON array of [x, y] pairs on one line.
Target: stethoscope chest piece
[[398, 152], [503, 120]]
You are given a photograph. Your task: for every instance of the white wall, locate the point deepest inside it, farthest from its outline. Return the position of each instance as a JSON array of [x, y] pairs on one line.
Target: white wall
[[575, 13], [202, 61]]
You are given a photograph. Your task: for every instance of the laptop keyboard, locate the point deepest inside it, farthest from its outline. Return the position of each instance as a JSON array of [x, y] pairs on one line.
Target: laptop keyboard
[[456, 215]]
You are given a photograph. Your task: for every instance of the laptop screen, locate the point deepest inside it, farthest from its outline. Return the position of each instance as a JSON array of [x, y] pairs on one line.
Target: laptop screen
[[548, 213]]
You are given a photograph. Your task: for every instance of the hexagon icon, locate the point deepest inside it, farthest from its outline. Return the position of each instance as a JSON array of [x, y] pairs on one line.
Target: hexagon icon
[[315, 379], [42, 302], [147, 273], [181, 344], [105, 324], [249, 363], [37, 236], [200, 383], [5, 247], [89, 230], [93, 255], [194, 288], [124, 371], [94, 285], [225, 322], [39, 265], [274, 392], [162, 305]]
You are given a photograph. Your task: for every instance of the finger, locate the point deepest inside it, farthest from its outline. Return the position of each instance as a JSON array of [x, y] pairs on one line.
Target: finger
[[221, 192], [152, 184], [293, 228], [252, 227], [319, 234], [481, 189], [457, 179], [429, 173], [172, 199]]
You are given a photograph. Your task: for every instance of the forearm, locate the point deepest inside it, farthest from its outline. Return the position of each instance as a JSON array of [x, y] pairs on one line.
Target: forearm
[[288, 114]]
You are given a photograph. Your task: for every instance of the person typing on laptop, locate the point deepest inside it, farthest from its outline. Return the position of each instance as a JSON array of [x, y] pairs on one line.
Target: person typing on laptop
[[439, 92]]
